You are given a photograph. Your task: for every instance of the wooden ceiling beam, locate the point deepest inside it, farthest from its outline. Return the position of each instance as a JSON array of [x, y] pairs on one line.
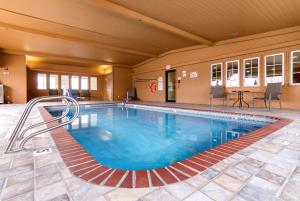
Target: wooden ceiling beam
[[150, 21], [62, 57], [76, 39]]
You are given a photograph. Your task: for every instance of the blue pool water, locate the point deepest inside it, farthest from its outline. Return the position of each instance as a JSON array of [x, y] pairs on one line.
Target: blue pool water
[[139, 139]]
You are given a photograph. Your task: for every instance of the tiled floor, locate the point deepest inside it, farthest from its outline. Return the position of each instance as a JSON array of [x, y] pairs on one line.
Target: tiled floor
[[266, 170]]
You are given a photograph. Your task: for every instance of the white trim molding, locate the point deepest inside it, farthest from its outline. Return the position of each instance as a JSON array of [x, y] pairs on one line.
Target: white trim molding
[[258, 69], [226, 66], [292, 68], [211, 66], [265, 66]]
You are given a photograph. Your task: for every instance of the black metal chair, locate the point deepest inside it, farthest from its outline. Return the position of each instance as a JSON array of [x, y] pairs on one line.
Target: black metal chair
[[52, 92], [85, 94], [217, 92], [273, 92]]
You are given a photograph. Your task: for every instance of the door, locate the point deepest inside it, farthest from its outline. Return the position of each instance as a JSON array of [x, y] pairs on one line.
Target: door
[[171, 86], [108, 87]]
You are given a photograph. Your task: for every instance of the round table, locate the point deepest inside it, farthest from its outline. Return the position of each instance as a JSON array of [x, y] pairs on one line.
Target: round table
[[240, 99]]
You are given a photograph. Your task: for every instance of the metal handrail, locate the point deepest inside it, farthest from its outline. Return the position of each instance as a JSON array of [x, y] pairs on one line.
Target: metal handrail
[[19, 126], [64, 114], [25, 115]]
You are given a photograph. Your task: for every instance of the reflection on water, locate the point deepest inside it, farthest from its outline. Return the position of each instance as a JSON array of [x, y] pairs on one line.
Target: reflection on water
[[105, 135]]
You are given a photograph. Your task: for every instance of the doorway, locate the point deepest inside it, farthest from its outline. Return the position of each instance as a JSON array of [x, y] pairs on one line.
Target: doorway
[[171, 86]]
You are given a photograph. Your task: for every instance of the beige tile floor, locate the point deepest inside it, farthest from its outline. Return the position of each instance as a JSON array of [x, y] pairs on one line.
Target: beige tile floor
[[267, 170]]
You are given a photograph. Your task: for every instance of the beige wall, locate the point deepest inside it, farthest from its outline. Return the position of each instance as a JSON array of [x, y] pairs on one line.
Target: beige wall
[[141, 82], [107, 88], [122, 80], [59, 70], [195, 90], [15, 83]]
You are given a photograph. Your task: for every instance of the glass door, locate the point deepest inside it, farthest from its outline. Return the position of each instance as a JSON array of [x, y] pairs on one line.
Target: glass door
[[171, 86]]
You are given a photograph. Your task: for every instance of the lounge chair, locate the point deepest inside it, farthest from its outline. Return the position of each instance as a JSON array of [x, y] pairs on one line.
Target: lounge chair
[[273, 92], [72, 93], [217, 92]]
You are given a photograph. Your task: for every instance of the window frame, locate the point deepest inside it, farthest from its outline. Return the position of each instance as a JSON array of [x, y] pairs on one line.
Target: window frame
[[61, 76], [56, 80], [211, 68], [292, 68], [239, 74], [244, 71], [265, 67], [78, 82], [37, 79], [90, 79]]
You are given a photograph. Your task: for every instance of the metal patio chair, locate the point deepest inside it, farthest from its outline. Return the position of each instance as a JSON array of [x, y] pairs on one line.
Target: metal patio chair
[[273, 92], [52, 92], [217, 92], [85, 94]]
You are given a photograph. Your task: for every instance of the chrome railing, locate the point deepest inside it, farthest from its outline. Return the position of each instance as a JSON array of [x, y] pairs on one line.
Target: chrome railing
[[18, 135]]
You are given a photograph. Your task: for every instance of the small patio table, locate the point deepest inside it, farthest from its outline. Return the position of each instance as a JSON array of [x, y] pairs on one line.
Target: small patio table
[[240, 100]]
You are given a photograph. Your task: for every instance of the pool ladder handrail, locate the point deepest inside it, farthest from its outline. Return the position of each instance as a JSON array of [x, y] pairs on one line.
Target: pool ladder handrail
[[17, 134]]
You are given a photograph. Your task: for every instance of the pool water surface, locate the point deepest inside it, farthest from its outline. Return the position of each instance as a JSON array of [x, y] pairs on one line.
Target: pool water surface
[[142, 139]]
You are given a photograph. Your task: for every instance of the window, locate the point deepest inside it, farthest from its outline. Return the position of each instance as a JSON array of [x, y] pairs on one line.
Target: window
[[274, 65], [295, 67], [75, 82], [232, 74], [42, 81], [64, 81], [216, 74], [93, 84], [53, 79], [251, 72], [84, 83]]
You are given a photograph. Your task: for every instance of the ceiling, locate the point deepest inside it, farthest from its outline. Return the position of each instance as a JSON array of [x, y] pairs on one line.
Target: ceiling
[[219, 20], [127, 32]]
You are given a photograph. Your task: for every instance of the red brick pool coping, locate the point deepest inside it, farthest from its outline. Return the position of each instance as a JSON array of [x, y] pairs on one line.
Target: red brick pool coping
[[84, 166]]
